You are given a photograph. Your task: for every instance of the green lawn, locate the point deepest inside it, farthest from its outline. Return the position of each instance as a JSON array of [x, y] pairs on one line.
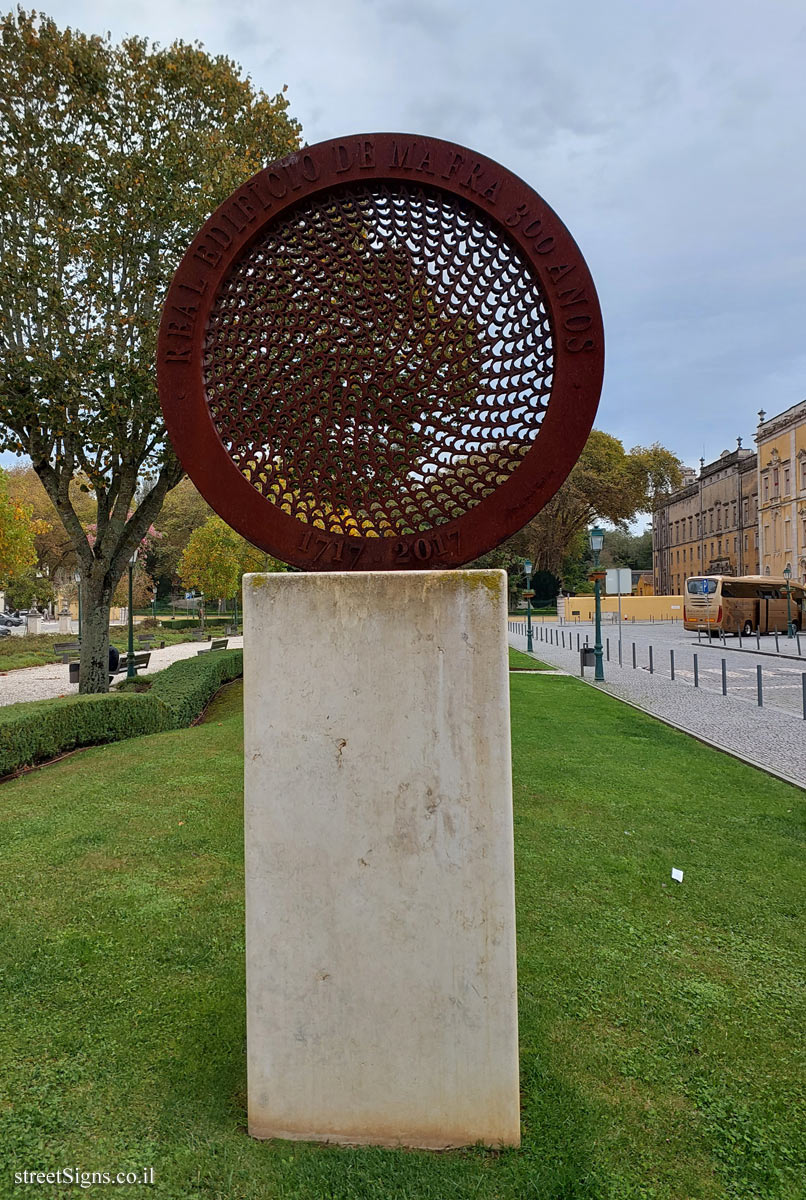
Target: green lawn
[[525, 662], [660, 1022]]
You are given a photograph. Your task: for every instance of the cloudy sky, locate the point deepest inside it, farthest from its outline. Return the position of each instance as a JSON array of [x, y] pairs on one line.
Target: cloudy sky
[[668, 135]]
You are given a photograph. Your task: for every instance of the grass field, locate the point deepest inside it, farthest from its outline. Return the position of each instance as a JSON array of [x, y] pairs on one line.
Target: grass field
[[661, 1023], [524, 662]]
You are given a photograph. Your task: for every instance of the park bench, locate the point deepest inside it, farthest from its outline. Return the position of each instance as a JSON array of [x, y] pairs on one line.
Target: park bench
[[68, 650], [215, 644], [145, 641], [140, 660]]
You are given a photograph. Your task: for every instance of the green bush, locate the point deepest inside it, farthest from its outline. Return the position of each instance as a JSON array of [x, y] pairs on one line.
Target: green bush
[[42, 729], [188, 686], [45, 728], [193, 623]]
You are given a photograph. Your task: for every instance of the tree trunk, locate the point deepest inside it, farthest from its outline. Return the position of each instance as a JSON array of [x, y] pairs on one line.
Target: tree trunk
[[96, 598]]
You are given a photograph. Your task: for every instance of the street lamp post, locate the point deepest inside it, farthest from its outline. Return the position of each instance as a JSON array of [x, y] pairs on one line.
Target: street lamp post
[[790, 629], [130, 672], [596, 537], [77, 578], [527, 570]]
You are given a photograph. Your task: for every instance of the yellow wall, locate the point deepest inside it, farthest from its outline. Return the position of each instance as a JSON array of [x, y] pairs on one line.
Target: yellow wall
[[659, 608]]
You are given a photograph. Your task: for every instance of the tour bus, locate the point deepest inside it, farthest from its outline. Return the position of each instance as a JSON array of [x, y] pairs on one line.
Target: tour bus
[[746, 603]]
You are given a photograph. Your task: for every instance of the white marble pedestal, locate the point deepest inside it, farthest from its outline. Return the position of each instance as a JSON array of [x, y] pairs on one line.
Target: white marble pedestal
[[381, 989]]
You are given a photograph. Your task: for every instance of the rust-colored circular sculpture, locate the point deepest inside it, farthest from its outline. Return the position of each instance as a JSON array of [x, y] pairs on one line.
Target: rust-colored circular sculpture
[[384, 352]]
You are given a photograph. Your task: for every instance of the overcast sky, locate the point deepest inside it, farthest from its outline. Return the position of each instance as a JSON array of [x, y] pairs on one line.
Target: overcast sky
[[668, 135]]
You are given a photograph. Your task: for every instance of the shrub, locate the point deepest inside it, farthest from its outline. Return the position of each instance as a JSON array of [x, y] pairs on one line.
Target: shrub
[[42, 729], [45, 728], [193, 623], [188, 686]]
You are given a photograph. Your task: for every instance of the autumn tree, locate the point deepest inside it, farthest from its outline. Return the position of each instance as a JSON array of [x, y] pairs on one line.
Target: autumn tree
[[606, 483], [55, 552], [17, 532], [111, 157], [216, 558], [184, 511]]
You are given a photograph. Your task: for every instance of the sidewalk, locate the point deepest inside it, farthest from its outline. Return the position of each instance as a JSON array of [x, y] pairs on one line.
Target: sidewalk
[[770, 738], [52, 679]]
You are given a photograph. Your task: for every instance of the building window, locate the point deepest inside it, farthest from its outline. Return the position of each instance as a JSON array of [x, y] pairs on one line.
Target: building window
[[766, 488], [786, 481], [803, 474], [745, 541]]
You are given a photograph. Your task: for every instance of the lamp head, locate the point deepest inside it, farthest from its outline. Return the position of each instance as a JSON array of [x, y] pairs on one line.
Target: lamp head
[[788, 572], [527, 566], [596, 538]]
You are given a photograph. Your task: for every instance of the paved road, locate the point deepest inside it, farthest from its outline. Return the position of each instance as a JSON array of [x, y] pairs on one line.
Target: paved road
[[773, 736], [44, 683]]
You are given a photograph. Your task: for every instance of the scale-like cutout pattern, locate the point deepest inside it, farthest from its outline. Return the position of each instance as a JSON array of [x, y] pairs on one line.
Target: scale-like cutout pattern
[[379, 360]]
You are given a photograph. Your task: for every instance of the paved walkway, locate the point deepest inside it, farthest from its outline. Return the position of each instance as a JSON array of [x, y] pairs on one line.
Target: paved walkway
[[772, 737], [51, 680]]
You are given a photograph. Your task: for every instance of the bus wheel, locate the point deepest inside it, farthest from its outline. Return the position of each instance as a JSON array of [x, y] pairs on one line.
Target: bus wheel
[[747, 629]]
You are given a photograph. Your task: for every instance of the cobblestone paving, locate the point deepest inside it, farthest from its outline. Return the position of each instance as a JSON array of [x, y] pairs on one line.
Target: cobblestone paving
[[773, 736], [51, 680]]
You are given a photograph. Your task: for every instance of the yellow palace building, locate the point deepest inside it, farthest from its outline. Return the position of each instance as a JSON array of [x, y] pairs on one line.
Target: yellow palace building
[[781, 443]]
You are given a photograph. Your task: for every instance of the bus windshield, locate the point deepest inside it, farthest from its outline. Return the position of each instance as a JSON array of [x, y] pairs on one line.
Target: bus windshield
[[701, 587]]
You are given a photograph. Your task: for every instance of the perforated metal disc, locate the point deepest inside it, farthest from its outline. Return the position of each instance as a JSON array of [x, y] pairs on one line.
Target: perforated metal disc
[[384, 352]]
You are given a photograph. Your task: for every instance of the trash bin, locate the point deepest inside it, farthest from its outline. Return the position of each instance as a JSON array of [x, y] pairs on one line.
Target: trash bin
[[74, 669], [587, 658]]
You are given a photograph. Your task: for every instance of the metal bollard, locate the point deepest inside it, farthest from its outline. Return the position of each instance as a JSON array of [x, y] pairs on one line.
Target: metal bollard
[[776, 641], [607, 648], [633, 656], [671, 664], [758, 640], [797, 639], [724, 677], [759, 688], [577, 641], [739, 635], [619, 653], [723, 638], [651, 663], [696, 673], [563, 637]]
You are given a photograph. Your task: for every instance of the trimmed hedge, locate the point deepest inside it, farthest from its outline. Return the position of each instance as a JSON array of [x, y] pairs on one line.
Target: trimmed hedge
[[193, 623], [42, 729], [188, 686]]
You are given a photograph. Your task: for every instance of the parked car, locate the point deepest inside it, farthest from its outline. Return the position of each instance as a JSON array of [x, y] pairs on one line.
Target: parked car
[[5, 631], [10, 618]]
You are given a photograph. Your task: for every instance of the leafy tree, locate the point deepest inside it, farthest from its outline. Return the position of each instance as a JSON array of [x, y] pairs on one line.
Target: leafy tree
[[17, 531], [55, 553], [29, 589], [110, 159], [184, 510], [605, 484], [628, 550], [216, 558]]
